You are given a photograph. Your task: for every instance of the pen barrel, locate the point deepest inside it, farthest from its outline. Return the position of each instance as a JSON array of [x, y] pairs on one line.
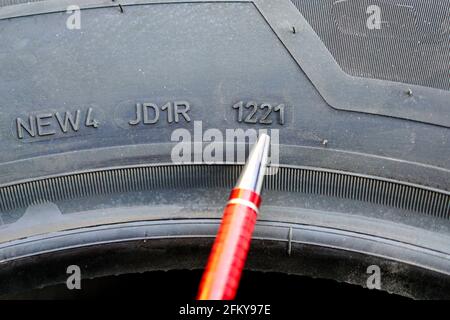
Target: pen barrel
[[227, 259]]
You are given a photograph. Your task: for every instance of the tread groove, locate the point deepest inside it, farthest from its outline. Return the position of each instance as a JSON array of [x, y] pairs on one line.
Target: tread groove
[[299, 180]]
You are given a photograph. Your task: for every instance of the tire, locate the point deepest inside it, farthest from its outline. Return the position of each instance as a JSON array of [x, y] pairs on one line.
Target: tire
[[364, 157]]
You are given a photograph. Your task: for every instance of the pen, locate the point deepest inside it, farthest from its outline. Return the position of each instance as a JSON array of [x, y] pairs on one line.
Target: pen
[[222, 274]]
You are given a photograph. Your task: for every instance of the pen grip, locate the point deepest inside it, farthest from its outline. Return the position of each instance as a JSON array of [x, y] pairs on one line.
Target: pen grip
[[223, 271]]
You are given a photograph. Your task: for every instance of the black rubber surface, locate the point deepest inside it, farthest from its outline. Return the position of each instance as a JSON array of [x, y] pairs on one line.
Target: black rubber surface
[[410, 45], [161, 245], [277, 287], [359, 153], [4, 3]]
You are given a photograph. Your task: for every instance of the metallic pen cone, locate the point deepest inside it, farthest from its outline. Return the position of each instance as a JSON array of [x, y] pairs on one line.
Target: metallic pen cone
[[252, 175]]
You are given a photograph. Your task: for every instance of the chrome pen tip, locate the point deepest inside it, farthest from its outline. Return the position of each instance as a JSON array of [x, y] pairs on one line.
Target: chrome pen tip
[[252, 176]]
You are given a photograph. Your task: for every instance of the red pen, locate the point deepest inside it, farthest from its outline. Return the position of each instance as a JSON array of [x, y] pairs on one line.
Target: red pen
[[223, 271]]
